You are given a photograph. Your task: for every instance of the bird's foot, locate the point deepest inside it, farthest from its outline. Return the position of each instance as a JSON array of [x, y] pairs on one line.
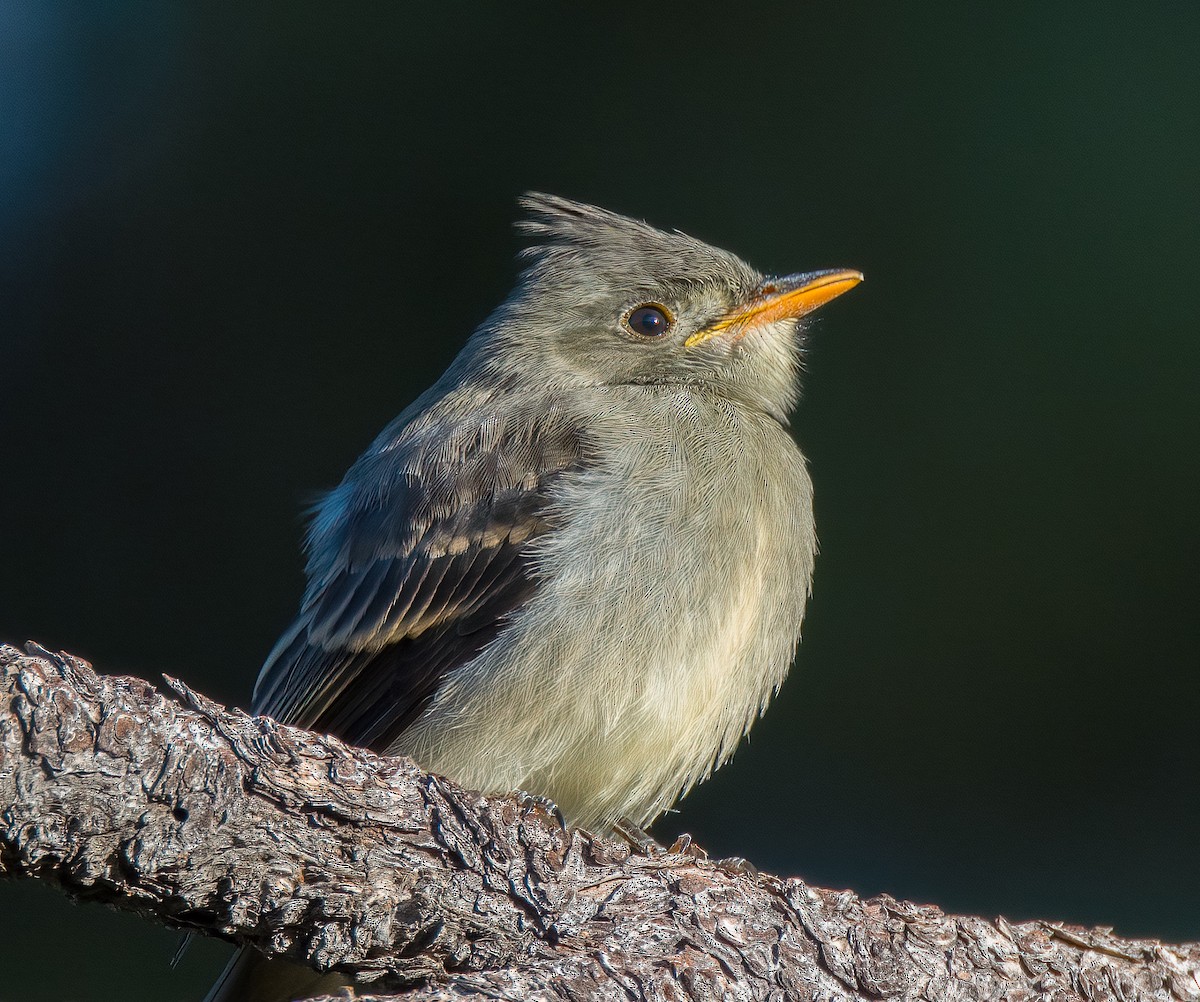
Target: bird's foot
[[735, 866], [684, 846], [638, 838], [546, 805]]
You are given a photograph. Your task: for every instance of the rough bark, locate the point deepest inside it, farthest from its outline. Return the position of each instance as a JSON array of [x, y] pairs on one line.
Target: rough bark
[[229, 825]]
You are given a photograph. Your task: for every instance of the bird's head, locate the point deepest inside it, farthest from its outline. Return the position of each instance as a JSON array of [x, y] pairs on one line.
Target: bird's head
[[607, 300]]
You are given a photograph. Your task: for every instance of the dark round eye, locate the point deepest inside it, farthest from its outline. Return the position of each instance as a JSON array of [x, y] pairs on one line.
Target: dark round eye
[[649, 321]]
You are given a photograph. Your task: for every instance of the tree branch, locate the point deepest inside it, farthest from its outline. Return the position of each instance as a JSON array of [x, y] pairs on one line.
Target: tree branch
[[229, 825]]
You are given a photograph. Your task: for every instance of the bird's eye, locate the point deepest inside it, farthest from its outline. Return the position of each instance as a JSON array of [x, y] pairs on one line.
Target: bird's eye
[[649, 321]]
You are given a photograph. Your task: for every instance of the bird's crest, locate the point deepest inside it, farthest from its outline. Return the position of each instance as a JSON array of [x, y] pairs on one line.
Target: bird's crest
[[578, 234], [555, 221]]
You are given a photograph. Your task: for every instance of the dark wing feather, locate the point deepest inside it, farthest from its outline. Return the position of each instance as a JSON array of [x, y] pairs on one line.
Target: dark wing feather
[[415, 566]]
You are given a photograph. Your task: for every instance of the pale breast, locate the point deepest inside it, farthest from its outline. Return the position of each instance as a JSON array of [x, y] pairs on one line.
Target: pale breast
[[669, 612]]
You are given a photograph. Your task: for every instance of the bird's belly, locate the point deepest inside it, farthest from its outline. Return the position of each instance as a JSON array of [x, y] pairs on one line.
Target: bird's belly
[[654, 731], [638, 667], [635, 723]]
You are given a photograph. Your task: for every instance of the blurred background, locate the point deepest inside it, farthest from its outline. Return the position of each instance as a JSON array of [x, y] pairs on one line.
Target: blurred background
[[235, 242]]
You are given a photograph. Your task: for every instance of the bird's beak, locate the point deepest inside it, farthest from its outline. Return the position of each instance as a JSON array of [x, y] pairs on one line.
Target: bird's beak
[[780, 299]]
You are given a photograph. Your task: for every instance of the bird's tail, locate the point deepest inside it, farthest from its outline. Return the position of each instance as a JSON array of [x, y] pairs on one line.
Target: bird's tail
[[251, 977]]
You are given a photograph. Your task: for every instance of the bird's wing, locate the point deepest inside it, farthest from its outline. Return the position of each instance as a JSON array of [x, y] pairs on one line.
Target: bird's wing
[[415, 565]]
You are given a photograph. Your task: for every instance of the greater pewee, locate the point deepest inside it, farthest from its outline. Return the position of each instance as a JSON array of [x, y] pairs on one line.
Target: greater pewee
[[577, 565]]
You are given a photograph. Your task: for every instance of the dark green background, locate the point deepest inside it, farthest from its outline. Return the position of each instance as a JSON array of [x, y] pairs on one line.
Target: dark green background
[[236, 242]]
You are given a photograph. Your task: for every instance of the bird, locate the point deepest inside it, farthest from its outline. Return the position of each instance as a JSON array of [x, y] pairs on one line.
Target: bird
[[578, 564]]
